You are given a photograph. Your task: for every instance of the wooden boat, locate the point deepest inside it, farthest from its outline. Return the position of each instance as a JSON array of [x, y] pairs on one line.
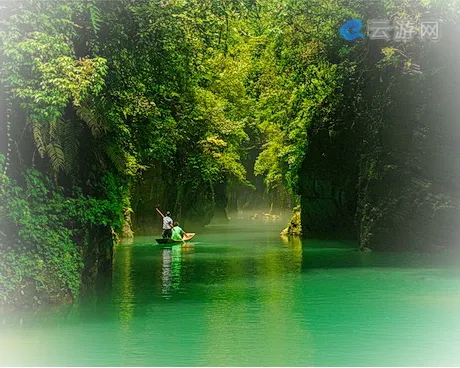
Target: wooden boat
[[171, 241]]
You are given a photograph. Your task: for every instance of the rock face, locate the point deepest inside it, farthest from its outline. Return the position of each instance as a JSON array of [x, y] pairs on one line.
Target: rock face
[[409, 191], [408, 194], [328, 186], [98, 255], [127, 230], [220, 209], [409, 184], [401, 180], [153, 189], [157, 188], [294, 227]]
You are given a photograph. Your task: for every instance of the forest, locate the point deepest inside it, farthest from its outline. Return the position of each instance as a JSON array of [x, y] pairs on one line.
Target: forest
[[209, 107]]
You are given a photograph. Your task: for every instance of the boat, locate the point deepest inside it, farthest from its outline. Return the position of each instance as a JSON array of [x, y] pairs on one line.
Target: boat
[[171, 241]]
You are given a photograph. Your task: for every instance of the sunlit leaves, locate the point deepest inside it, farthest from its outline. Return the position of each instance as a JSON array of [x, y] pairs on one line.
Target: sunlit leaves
[[43, 72], [95, 18]]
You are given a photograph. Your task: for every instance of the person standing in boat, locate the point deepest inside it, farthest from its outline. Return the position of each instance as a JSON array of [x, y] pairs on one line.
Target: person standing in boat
[[167, 225], [177, 232]]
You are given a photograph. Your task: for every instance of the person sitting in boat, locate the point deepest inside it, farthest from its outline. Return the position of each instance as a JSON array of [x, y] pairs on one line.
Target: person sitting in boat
[[167, 225], [177, 232]]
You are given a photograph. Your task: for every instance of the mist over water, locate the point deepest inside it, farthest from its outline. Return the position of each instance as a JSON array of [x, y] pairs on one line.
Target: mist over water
[[241, 295]]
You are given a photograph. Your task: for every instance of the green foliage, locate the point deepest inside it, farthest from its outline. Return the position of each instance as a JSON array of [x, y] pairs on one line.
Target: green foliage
[[40, 256], [308, 81], [43, 73], [107, 89]]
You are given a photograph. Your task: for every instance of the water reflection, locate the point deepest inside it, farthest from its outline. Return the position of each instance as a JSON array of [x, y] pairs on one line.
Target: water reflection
[[171, 270], [166, 272], [126, 241], [295, 245], [330, 254], [123, 286], [176, 252], [253, 312]]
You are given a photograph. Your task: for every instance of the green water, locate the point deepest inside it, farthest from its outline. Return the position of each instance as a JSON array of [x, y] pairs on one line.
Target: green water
[[243, 296]]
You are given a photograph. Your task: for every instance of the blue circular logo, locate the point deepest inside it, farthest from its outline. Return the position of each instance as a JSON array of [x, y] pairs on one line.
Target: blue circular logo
[[351, 30]]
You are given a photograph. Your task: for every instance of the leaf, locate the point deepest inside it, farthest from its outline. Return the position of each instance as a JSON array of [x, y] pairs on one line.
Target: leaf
[[95, 18], [70, 135], [56, 155], [90, 117], [38, 137]]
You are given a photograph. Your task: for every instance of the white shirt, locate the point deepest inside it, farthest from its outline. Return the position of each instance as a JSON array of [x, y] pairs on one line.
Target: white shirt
[[167, 222]]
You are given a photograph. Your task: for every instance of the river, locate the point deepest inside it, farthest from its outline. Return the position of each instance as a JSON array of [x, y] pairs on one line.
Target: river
[[242, 296]]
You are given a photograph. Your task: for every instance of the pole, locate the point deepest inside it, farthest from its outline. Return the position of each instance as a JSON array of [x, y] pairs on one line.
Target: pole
[[159, 212]]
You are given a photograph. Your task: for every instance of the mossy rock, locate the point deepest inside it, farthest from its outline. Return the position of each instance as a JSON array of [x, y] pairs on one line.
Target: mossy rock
[[294, 227]]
